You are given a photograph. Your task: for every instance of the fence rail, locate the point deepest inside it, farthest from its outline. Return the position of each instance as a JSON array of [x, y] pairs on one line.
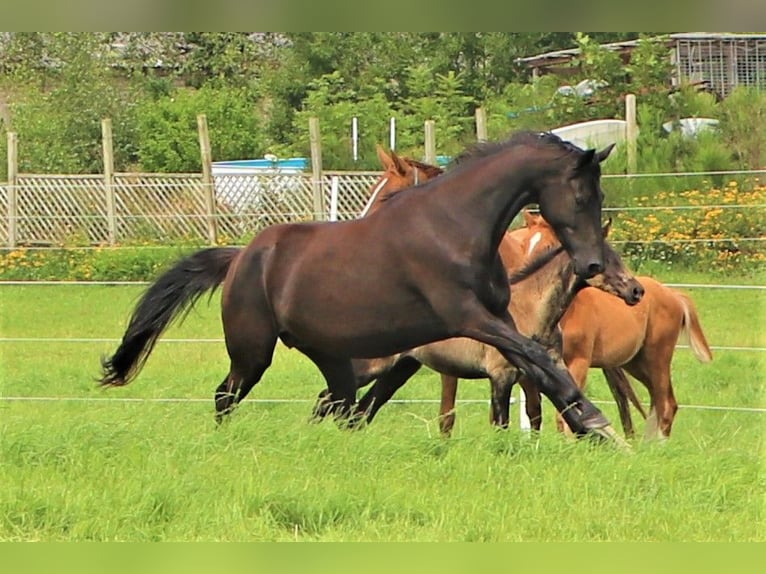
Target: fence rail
[[51, 210]]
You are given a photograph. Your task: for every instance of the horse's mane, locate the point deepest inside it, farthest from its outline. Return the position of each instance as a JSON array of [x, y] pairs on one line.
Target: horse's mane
[[534, 265], [537, 139], [430, 170], [485, 149]]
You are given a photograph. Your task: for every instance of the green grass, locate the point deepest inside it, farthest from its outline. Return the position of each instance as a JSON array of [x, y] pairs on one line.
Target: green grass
[[142, 471]]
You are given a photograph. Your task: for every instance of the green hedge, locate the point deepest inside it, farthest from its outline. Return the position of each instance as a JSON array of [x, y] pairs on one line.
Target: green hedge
[[99, 264]]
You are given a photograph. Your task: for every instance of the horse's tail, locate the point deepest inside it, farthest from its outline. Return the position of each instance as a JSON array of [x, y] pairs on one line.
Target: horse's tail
[[693, 330], [622, 390], [173, 293]]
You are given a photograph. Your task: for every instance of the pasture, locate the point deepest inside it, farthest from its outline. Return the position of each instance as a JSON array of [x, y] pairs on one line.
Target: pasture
[[147, 463]]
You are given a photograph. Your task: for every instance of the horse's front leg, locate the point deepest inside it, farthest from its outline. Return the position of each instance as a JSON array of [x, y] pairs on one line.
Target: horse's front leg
[[553, 381], [447, 405]]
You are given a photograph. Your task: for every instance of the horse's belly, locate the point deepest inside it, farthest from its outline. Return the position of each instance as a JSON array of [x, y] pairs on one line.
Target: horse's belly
[[458, 357], [614, 347], [357, 340]]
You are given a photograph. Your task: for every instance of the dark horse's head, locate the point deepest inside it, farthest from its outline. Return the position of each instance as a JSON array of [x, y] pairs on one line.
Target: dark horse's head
[[570, 197]]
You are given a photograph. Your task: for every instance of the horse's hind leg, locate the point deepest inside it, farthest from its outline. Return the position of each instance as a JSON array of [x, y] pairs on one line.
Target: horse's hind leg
[[386, 385], [365, 371], [250, 357], [655, 375], [534, 406], [501, 398], [341, 383]]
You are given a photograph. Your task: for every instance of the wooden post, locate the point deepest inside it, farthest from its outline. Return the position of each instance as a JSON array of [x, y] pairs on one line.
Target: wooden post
[[13, 180], [108, 152], [207, 178], [316, 168], [481, 124], [631, 131], [430, 142]]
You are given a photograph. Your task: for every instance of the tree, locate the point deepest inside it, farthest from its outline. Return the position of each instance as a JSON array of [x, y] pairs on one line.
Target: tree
[[58, 98]]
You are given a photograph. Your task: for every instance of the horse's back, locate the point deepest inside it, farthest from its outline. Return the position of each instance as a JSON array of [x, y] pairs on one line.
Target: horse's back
[[349, 288], [610, 328], [602, 326]]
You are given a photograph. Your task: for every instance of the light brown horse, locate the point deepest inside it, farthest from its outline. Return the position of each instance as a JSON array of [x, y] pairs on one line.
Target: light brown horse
[[640, 339], [423, 269]]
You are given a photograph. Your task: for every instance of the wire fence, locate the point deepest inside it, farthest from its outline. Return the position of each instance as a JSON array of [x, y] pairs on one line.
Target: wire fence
[[193, 400]]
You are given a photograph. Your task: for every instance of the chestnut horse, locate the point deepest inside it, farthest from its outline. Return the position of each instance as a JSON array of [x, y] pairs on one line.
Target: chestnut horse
[[423, 269], [597, 330], [641, 340]]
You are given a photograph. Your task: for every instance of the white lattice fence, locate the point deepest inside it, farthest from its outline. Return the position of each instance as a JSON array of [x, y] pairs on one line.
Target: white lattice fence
[[160, 206], [5, 215], [60, 209], [353, 191], [72, 209], [249, 202]]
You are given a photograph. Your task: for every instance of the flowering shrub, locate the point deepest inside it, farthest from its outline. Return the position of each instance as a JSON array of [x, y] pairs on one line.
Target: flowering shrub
[[98, 264], [720, 229]]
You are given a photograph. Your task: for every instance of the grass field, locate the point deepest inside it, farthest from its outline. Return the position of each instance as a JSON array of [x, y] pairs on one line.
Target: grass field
[[103, 469]]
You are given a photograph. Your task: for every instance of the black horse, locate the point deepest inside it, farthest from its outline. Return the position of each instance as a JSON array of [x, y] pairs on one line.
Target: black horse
[[424, 268]]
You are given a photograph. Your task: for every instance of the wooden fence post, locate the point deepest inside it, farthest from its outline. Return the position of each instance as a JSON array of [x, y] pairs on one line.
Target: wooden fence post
[[13, 180], [481, 124], [207, 178], [108, 153], [316, 168], [631, 131], [430, 142]]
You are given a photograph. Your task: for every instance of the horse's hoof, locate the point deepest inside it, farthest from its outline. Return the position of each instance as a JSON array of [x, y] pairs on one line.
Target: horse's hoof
[[609, 435]]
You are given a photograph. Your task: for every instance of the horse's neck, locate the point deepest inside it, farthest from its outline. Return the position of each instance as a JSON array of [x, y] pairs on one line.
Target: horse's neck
[[486, 194], [543, 297]]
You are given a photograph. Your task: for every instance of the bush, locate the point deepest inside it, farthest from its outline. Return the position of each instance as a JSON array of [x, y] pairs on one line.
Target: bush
[[100, 264], [716, 236], [167, 128]]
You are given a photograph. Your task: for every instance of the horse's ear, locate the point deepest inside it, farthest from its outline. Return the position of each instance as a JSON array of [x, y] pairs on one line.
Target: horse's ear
[[383, 157], [586, 158], [604, 153], [401, 166], [607, 228]]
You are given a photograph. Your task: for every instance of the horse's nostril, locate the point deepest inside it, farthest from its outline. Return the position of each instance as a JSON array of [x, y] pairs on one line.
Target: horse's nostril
[[638, 293]]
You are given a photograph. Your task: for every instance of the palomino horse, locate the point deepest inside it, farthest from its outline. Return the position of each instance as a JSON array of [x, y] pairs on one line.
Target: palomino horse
[[640, 339], [423, 269], [543, 284]]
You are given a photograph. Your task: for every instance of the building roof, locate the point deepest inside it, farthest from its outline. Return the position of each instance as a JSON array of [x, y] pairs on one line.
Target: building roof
[[560, 56]]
